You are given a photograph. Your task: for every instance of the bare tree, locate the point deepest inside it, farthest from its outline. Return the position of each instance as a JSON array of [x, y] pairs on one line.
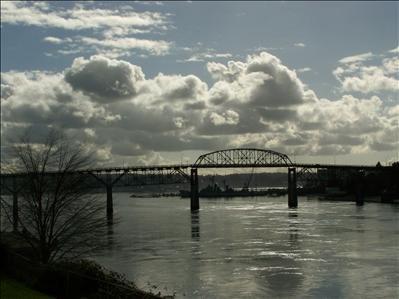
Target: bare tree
[[58, 217]]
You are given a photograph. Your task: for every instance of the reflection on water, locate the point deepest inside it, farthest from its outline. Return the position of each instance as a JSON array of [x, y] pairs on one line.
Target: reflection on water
[[256, 248], [110, 233], [195, 225]]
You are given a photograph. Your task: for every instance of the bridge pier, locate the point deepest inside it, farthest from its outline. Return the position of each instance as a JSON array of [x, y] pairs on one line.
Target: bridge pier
[[194, 204], [110, 204], [14, 204], [292, 193], [359, 190], [108, 183]]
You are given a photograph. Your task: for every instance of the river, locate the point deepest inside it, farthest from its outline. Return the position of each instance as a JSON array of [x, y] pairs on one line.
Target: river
[[256, 248]]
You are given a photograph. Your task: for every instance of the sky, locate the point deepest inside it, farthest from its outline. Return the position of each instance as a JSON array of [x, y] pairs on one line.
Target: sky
[[163, 82]]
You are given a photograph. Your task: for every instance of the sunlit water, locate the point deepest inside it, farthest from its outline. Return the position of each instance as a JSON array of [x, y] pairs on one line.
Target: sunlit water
[[256, 248]]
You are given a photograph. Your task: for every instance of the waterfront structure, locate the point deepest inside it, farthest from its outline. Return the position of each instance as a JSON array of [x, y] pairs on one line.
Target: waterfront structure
[[228, 158]]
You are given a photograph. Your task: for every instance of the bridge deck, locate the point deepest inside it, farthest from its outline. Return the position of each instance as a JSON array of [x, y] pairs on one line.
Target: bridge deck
[[188, 166], [297, 165]]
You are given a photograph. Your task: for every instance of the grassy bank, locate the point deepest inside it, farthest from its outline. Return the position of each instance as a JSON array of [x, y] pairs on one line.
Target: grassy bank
[[12, 289]]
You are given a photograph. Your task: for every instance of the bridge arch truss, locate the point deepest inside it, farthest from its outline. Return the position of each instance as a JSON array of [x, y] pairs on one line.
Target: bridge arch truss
[[242, 157]]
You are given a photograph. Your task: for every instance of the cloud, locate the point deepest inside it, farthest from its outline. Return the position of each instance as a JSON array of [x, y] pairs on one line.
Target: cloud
[[56, 40], [395, 50], [6, 91], [370, 80], [149, 2], [279, 115], [45, 98], [76, 18], [156, 47], [348, 115], [228, 73], [112, 47], [72, 51], [115, 110], [125, 148], [300, 45], [356, 74], [200, 57], [304, 70], [104, 79], [391, 65], [378, 146], [115, 25], [229, 117], [356, 58], [262, 81], [174, 91], [331, 139], [123, 31]]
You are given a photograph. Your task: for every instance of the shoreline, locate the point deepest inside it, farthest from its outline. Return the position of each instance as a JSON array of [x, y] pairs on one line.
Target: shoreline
[[74, 278]]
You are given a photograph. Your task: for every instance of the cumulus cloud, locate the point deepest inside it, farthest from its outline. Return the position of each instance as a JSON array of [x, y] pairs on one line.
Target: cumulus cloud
[[229, 117], [175, 91], [356, 74], [391, 65], [45, 98], [228, 73], [395, 50], [261, 81], [370, 80], [258, 102], [349, 115], [104, 79]]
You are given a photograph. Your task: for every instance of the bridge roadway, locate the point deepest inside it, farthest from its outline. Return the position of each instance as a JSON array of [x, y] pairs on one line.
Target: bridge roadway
[[177, 167], [238, 165], [144, 168], [228, 158]]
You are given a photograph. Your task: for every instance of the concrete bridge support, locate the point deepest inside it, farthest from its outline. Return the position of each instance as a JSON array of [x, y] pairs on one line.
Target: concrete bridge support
[[359, 190], [292, 193], [108, 183], [194, 205], [110, 204], [14, 204]]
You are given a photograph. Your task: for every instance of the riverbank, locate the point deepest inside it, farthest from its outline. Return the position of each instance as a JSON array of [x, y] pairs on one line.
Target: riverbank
[[64, 279], [11, 289]]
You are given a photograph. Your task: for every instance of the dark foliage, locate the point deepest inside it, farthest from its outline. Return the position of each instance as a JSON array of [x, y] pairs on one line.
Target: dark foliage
[[57, 215]]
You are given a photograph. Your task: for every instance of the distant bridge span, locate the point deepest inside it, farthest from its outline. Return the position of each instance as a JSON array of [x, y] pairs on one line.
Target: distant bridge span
[[242, 157], [227, 158], [252, 157]]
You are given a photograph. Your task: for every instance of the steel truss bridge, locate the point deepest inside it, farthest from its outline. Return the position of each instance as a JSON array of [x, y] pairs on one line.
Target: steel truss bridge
[[183, 173]]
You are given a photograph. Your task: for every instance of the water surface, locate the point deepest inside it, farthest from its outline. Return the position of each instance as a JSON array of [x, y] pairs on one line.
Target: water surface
[[256, 248]]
